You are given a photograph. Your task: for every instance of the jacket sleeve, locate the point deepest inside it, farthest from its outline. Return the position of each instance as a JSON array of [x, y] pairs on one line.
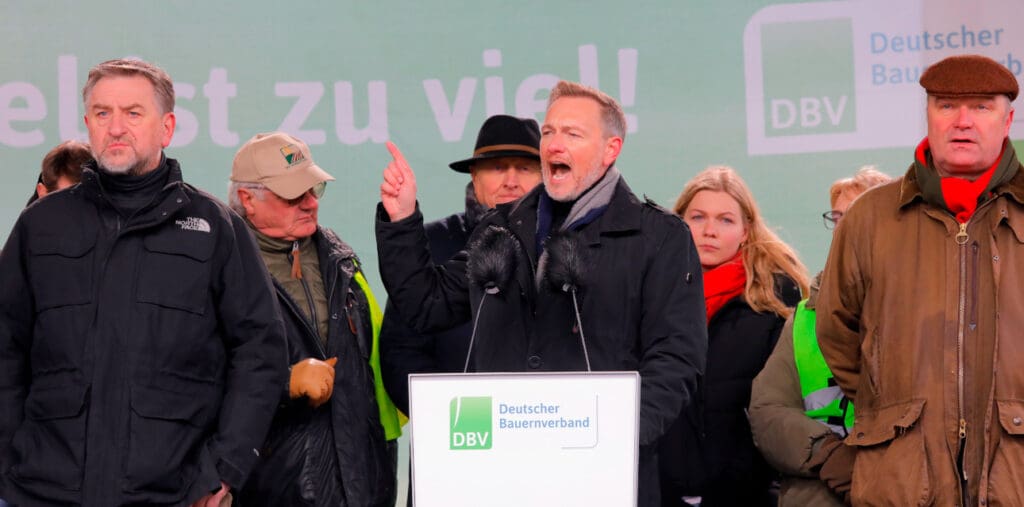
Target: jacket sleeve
[[781, 428], [673, 332], [403, 351], [429, 297], [839, 305], [257, 359], [16, 321]]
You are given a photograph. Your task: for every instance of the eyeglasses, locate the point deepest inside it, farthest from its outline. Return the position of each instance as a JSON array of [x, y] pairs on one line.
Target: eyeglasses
[[831, 218], [317, 191]]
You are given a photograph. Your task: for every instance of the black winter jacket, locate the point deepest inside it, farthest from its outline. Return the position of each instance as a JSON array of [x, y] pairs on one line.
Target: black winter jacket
[[404, 351], [140, 358], [709, 451], [641, 301], [335, 454]]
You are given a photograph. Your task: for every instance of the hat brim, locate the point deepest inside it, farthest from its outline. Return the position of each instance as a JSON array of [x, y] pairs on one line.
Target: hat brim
[[462, 166], [297, 182]]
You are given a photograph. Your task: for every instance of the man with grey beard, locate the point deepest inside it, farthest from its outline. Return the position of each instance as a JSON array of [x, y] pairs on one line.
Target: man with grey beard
[[581, 232], [140, 341]]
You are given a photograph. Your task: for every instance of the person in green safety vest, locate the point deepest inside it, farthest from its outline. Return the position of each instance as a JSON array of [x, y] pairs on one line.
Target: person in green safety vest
[[332, 442], [798, 414]]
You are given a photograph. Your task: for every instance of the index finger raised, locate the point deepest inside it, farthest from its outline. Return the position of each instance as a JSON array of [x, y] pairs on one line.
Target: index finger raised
[[397, 155]]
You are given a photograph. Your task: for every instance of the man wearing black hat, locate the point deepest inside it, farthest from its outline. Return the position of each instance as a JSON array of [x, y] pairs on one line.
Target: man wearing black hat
[[504, 167], [921, 307]]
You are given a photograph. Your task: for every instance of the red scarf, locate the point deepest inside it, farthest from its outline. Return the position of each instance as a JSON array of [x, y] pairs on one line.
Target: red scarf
[[961, 195], [723, 283]]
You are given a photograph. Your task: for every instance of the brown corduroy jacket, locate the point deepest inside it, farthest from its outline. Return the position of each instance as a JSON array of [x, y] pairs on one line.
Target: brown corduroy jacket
[[922, 323]]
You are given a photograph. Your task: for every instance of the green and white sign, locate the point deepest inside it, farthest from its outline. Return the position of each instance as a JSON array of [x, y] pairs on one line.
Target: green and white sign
[[511, 439]]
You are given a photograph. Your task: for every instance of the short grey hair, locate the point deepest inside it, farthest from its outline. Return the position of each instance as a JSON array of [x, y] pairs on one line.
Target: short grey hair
[[235, 203], [162, 84]]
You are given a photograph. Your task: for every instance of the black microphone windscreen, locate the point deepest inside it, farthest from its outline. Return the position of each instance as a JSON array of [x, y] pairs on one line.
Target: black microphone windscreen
[[562, 265], [492, 258]]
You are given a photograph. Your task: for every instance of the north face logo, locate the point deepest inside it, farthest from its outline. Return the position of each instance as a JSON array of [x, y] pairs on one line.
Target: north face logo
[[193, 224]]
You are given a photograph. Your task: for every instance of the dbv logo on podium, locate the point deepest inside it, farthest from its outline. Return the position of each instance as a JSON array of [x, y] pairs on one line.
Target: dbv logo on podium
[[470, 423]]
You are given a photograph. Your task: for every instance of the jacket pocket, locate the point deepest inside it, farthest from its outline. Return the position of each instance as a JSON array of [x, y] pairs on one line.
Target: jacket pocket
[[49, 447], [166, 432], [176, 273], [890, 443], [60, 270], [1006, 484]]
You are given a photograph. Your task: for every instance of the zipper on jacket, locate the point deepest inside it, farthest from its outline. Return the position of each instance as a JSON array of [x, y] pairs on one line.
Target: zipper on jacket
[[294, 308], [961, 239], [315, 323]]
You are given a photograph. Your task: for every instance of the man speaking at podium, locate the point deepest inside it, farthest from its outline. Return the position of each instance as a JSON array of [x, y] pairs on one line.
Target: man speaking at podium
[[580, 240]]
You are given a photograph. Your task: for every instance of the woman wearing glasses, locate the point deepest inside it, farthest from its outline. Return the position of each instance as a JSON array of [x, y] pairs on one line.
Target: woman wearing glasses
[[751, 282], [797, 413]]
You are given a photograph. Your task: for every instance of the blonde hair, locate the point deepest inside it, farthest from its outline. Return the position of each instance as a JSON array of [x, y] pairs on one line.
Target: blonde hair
[[764, 254], [612, 117], [866, 177]]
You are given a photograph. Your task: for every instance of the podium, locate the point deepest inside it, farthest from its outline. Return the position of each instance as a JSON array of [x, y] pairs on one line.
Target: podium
[[524, 439]]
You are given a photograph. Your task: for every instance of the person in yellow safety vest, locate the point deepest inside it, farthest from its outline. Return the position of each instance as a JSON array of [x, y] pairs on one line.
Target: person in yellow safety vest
[[332, 441], [798, 414]]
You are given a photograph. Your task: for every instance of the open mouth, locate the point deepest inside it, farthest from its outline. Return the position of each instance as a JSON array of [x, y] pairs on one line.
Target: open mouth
[[559, 171]]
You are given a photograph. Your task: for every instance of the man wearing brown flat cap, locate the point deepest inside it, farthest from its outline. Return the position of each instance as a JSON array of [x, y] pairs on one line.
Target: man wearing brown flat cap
[[332, 439], [922, 305]]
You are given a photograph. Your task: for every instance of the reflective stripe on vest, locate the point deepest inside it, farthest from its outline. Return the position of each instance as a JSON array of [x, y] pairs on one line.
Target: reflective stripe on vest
[[823, 399], [390, 418]]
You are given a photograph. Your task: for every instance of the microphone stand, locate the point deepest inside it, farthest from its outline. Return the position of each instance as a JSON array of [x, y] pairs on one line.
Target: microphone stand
[[490, 289], [571, 289]]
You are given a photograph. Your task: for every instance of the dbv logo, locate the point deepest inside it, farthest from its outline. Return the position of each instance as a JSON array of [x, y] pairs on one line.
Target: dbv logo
[[808, 77], [470, 423]]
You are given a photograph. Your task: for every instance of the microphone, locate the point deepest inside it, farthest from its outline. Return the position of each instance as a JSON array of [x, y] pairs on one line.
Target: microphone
[[562, 267], [491, 264]]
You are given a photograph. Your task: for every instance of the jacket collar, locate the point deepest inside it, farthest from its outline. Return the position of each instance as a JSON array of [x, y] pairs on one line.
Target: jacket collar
[[172, 196], [921, 182], [624, 214]]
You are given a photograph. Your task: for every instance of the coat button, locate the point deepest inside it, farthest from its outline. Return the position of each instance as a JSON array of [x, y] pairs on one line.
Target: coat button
[[534, 362], [1017, 421]]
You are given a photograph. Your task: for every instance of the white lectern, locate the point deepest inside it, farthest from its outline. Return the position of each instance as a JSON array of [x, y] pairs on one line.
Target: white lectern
[[520, 439]]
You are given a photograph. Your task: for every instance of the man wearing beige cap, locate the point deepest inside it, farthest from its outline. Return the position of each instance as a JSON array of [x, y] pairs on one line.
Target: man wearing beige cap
[[922, 305], [331, 442]]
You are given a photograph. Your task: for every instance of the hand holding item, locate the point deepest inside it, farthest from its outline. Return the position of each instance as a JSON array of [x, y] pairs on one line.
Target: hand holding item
[[314, 379], [836, 461]]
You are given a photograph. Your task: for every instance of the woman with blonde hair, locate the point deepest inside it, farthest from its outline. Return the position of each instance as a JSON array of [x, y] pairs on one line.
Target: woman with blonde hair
[[752, 281]]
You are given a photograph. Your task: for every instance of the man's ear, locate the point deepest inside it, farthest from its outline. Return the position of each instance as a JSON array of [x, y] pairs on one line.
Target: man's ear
[[245, 196], [41, 190], [612, 148]]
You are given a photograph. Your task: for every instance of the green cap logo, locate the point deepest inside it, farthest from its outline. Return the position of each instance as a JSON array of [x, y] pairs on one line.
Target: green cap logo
[[470, 423]]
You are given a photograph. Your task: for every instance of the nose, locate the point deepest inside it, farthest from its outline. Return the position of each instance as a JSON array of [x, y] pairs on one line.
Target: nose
[[964, 118], [552, 143], [116, 125], [708, 229], [309, 201], [511, 178]]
